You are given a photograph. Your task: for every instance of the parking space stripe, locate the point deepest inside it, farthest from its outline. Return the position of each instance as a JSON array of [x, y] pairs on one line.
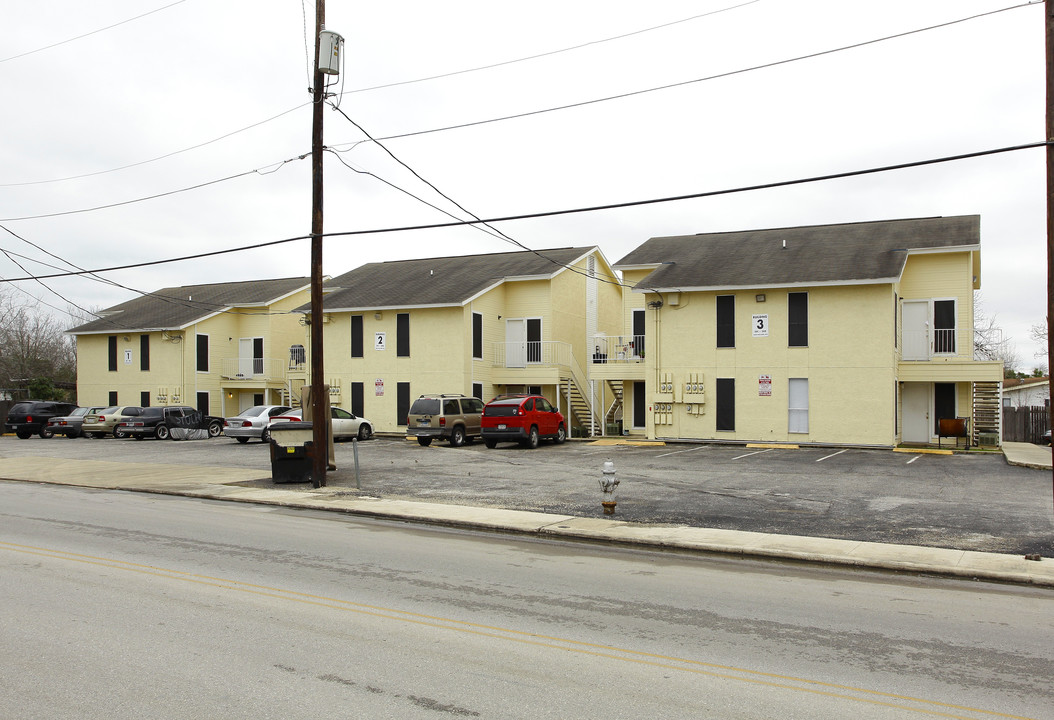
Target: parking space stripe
[[912, 459], [832, 455], [677, 452], [759, 452]]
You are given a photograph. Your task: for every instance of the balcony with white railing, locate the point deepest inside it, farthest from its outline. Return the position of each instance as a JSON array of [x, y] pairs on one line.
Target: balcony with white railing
[[254, 369], [950, 344], [535, 353], [618, 349]]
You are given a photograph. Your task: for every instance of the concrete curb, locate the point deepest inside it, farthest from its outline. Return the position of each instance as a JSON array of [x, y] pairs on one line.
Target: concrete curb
[[200, 482]]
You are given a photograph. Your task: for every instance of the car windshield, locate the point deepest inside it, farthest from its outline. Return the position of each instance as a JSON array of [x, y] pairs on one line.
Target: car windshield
[[254, 411], [425, 406], [78, 412], [106, 411]]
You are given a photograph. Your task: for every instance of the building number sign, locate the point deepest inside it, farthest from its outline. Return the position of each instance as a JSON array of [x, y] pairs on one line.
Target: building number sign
[[380, 341], [760, 325]]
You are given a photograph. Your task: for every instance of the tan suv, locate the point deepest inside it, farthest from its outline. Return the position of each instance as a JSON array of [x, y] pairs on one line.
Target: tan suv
[[452, 417]]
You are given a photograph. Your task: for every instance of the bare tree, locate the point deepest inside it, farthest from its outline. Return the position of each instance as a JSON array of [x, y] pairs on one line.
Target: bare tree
[[33, 345], [989, 341]]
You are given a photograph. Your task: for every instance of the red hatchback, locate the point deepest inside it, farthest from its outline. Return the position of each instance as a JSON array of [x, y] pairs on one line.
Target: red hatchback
[[524, 419]]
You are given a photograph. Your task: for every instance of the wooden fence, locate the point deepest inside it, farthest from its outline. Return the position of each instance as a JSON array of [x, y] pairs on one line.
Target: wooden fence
[[1025, 424]]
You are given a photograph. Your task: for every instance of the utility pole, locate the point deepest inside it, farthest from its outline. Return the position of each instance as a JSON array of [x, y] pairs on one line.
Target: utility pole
[[320, 457], [1048, 11]]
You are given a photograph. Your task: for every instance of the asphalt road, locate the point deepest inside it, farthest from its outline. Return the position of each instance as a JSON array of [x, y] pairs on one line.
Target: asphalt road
[[123, 605], [971, 501]]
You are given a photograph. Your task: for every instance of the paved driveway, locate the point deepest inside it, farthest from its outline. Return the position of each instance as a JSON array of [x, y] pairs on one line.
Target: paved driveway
[[968, 501]]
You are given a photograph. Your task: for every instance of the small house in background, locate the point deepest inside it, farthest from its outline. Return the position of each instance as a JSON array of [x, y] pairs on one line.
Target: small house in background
[[479, 325], [1027, 392], [220, 347]]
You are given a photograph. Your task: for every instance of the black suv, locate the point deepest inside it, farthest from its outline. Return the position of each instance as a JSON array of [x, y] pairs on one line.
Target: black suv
[[31, 417], [157, 422]]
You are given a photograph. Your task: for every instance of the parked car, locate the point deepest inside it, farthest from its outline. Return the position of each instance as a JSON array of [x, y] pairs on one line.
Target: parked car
[[252, 423], [447, 417], [104, 422], [70, 425], [524, 419], [345, 425], [30, 417], [158, 422]]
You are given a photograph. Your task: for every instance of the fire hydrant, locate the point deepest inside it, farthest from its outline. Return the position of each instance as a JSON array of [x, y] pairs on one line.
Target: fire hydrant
[[608, 483]]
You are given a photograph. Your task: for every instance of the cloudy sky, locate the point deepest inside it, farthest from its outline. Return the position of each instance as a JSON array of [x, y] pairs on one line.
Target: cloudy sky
[[131, 138]]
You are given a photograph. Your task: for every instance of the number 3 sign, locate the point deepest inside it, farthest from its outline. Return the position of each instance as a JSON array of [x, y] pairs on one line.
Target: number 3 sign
[[760, 325]]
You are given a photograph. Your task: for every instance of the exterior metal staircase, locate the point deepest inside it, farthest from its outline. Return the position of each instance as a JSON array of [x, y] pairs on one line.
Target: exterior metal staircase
[[987, 413]]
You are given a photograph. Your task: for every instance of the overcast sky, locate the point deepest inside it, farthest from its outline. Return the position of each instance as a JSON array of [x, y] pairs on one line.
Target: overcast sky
[[203, 90]]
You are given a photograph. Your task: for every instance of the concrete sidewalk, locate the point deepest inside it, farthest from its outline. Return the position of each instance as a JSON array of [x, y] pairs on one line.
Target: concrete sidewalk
[[219, 483]]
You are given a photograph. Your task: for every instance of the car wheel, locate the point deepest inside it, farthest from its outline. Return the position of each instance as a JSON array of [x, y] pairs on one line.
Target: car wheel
[[23, 435], [265, 436], [532, 438], [46, 434], [561, 434], [491, 444], [365, 432], [424, 441], [215, 429], [119, 434], [242, 440], [162, 432], [457, 436]]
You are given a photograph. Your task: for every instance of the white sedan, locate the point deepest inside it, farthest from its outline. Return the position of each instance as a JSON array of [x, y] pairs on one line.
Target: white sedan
[[252, 423], [345, 425]]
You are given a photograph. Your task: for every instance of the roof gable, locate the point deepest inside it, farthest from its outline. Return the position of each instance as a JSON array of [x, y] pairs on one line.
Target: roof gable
[[176, 307], [445, 281], [811, 255]]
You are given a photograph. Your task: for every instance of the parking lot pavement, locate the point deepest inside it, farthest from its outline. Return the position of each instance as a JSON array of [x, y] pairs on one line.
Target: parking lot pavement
[[967, 501]]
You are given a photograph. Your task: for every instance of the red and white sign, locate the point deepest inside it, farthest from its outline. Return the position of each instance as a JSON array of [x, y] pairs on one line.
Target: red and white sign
[[378, 387], [765, 385]]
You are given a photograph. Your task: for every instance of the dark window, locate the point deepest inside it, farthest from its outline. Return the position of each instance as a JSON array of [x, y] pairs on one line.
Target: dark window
[[402, 401], [896, 304], [477, 336], [358, 394], [144, 352], [144, 398], [640, 405], [943, 403], [203, 353], [402, 340], [112, 398], [258, 399], [477, 390], [726, 404], [534, 340], [111, 353], [258, 356], [451, 407], [356, 336], [726, 321], [798, 319], [203, 402], [944, 326], [638, 333]]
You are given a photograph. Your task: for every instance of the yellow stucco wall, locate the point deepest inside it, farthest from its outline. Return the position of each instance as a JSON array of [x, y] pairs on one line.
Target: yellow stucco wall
[[847, 363], [173, 357]]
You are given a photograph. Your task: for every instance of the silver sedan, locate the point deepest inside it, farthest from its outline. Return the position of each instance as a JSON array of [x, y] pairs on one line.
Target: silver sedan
[[252, 423], [345, 425]]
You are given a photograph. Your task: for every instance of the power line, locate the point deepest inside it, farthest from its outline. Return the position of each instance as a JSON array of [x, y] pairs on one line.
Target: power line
[[555, 213], [685, 83], [93, 32], [258, 171], [549, 53]]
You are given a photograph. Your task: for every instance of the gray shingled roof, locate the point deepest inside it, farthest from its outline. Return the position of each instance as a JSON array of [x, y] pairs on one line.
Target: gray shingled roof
[[176, 307], [819, 254], [438, 281]]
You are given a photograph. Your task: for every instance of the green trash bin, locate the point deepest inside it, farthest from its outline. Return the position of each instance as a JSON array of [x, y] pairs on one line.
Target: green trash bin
[[292, 453]]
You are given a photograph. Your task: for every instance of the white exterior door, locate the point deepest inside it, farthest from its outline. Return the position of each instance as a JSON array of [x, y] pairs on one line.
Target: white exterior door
[[915, 329], [516, 343], [245, 357], [915, 412]]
